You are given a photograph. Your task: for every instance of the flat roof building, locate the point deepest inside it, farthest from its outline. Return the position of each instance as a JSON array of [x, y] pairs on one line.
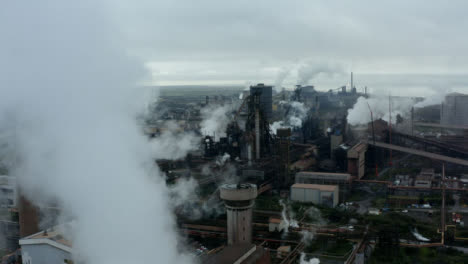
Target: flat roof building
[[315, 193], [343, 180]]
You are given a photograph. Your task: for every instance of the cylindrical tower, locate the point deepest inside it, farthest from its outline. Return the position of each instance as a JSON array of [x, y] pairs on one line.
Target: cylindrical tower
[[239, 199]]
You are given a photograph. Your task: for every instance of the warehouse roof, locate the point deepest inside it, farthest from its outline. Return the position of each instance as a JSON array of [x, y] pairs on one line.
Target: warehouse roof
[[324, 175], [321, 187]]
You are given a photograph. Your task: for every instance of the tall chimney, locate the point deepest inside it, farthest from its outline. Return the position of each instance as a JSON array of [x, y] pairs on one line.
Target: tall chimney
[[239, 200]]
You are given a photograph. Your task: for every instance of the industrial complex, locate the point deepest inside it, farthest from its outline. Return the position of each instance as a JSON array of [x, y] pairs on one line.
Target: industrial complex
[[285, 176]]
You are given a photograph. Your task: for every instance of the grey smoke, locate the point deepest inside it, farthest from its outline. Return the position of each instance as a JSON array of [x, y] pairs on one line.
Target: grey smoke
[[312, 69], [173, 143], [70, 88]]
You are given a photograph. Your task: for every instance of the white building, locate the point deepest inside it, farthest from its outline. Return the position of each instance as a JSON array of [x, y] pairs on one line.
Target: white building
[[315, 193], [45, 248]]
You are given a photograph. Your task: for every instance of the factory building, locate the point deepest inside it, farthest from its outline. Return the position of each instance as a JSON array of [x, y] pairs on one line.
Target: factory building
[[45, 247], [357, 160], [239, 200], [454, 110], [343, 180], [327, 195], [424, 179]]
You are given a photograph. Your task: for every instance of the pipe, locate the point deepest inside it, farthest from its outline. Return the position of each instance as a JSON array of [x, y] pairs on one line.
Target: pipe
[[257, 133]]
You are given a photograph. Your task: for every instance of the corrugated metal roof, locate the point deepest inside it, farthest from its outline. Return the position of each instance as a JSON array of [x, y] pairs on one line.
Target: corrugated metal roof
[[327, 188]]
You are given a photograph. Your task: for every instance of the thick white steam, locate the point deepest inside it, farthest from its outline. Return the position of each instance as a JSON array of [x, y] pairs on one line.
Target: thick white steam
[[68, 91], [360, 113], [215, 120], [295, 117], [173, 143], [303, 260]]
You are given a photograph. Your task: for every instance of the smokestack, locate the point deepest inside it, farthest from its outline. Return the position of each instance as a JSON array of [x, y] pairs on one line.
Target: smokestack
[[352, 85], [239, 199], [365, 90]]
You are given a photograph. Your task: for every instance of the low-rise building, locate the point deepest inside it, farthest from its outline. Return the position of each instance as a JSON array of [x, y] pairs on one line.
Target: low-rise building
[[343, 180], [315, 193], [357, 160], [424, 179], [45, 247]]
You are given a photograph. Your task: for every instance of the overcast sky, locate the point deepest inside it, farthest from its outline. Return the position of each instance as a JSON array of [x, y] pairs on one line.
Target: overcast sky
[[218, 42], [387, 44]]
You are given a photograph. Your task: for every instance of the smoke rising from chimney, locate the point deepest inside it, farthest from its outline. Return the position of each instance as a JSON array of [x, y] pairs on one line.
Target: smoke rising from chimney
[[67, 83]]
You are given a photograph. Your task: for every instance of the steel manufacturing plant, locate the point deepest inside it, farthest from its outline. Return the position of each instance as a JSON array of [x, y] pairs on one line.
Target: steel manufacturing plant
[[233, 133]]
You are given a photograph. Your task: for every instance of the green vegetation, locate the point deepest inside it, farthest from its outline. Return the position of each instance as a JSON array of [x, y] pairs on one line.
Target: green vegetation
[[268, 203], [403, 224], [331, 247], [357, 195]]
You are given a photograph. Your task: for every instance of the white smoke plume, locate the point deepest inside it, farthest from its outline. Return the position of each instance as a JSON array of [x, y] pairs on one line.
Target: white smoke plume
[[295, 117], [419, 236], [297, 114], [311, 69], [437, 97], [221, 160], [360, 114], [283, 73], [173, 143], [303, 260], [69, 87], [288, 217], [276, 125], [215, 120]]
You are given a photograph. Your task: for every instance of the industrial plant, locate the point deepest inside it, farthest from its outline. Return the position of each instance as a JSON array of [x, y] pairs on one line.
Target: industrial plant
[[291, 175], [236, 133]]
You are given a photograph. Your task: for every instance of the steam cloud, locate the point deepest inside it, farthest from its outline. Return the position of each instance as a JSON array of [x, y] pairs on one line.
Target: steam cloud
[[214, 121], [297, 114], [65, 84], [360, 115], [173, 143], [312, 69], [310, 261], [288, 220]]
